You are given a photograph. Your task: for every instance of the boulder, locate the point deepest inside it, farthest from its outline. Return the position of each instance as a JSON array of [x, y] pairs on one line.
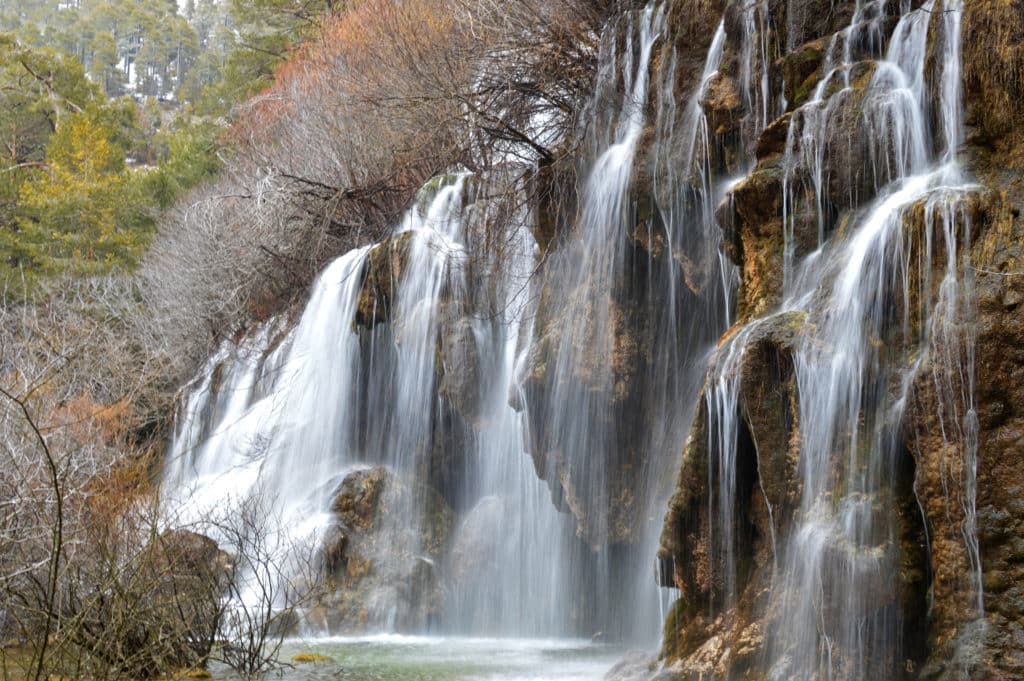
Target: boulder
[[378, 562], [357, 500]]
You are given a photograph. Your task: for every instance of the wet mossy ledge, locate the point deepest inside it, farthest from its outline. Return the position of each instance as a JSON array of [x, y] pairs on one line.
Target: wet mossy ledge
[[311, 658]]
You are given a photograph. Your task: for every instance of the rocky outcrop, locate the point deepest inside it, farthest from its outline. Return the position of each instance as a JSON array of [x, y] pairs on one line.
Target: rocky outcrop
[[610, 377], [617, 386], [935, 506], [160, 610], [385, 264], [382, 553], [702, 633]]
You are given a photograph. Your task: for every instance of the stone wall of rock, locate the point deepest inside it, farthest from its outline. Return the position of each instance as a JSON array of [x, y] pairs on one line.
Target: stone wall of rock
[[934, 588], [366, 562]]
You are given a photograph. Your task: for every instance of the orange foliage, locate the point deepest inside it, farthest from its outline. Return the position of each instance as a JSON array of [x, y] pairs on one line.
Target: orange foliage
[[86, 417], [373, 51], [109, 495]]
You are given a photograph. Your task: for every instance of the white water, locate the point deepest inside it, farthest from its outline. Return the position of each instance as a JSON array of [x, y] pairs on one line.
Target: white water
[[286, 424], [286, 415], [286, 420], [834, 595]]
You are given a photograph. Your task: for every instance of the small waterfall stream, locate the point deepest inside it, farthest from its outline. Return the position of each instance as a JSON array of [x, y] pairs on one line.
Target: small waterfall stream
[[870, 319]]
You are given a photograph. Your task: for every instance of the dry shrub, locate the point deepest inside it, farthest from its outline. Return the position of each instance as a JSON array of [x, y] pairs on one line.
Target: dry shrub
[[993, 66], [389, 94]]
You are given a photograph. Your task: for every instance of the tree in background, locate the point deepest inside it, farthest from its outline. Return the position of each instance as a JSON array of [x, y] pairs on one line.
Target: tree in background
[[69, 201], [79, 214], [144, 47]]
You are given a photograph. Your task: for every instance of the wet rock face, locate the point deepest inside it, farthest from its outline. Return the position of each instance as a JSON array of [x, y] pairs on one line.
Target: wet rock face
[[380, 553], [998, 257], [357, 500], [723, 104], [614, 367], [385, 265], [701, 635], [462, 366], [933, 567]]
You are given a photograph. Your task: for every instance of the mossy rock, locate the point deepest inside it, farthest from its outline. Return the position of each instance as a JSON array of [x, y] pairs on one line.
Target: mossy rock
[[429, 191], [801, 70], [772, 141], [359, 496], [757, 199], [385, 265]]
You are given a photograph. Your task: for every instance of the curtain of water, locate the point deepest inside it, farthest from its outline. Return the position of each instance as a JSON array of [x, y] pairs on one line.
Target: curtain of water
[[285, 414], [864, 342], [287, 418], [282, 416]]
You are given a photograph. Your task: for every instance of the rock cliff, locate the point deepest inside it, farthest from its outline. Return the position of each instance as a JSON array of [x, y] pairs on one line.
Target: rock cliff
[[950, 502]]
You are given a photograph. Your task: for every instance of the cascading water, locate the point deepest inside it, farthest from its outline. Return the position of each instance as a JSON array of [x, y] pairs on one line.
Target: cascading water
[[289, 419], [870, 320], [285, 419], [288, 416], [645, 291], [582, 435], [498, 393]]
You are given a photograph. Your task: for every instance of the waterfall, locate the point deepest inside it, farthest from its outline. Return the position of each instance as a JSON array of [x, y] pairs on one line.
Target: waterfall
[[644, 291], [524, 412], [582, 431], [296, 417], [284, 416], [251, 410], [288, 415], [871, 322]]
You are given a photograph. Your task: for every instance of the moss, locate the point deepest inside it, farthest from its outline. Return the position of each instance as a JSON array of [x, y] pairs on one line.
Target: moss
[[311, 657], [993, 65], [802, 93], [685, 630], [801, 71], [429, 191], [672, 632]]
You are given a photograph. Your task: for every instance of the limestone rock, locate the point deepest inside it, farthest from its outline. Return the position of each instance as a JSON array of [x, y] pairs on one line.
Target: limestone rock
[[385, 265], [377, 562]]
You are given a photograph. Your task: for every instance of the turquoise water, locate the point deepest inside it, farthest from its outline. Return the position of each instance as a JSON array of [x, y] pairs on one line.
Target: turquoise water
[[415, 658]]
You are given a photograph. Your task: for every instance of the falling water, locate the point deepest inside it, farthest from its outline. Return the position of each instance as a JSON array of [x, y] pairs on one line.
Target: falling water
[[288, 415], [289, 412], [644, 285], [871, 322], [579, 428], [283, 418]]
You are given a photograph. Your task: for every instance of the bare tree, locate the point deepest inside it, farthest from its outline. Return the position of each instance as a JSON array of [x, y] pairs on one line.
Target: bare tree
[[273, 579]]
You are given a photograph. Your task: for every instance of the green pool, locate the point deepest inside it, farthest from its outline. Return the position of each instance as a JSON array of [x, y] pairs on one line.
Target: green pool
[[419, 658]]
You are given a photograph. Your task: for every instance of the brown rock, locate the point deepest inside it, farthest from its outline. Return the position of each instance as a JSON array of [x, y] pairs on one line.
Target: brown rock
[[385, 265]]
